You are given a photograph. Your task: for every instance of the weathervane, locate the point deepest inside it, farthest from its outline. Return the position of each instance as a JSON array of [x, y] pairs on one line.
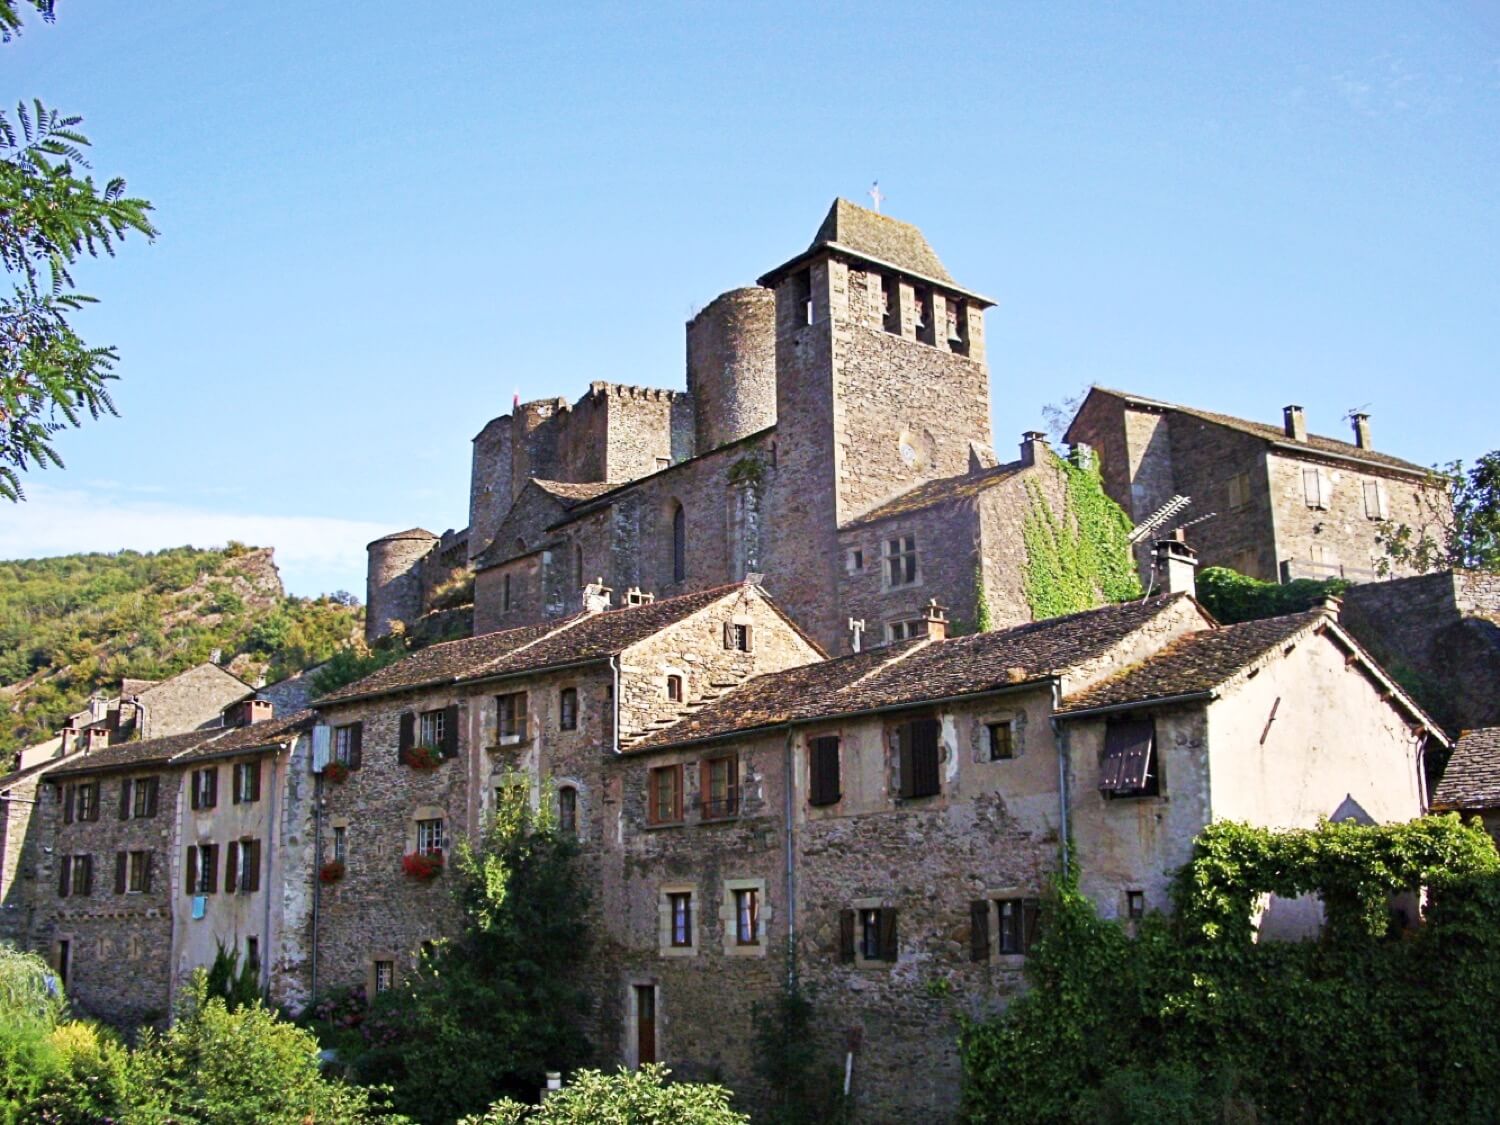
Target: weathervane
[[876, 195]]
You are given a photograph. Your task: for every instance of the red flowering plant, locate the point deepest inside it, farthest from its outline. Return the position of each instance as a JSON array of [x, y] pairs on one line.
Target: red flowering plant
[[424, 758], [423, 866], [336, 771], [332, 871]]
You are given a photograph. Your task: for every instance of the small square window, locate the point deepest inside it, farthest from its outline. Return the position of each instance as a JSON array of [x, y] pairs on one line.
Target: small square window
[[737, 636], [674, 689], [1135, 904], [856, 560], [1002, 744], [867, 936], [1129, 765], [904, 630], [385, 976]]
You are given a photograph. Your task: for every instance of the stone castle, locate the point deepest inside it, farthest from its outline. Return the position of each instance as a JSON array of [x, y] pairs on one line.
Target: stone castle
[[773, 746]]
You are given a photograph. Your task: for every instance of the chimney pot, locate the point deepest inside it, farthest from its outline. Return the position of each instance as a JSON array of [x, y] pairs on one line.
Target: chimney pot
[[935, 617], [1176, 564], [1361, 429], [1031, 442], [1294, 422], [596, 596]]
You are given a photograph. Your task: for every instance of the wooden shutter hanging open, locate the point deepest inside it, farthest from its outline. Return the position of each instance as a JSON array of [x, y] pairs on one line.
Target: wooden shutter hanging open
[[1127, 755]]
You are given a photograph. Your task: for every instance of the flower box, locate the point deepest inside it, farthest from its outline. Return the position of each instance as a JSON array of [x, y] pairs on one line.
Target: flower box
[[331, 872], [336, 772], [423, 758], [422, 866]]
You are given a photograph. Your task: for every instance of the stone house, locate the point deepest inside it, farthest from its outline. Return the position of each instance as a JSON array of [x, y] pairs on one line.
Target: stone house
[[900, 812], [834, 439], [1471, 783], [1286, 504], [425, 746]]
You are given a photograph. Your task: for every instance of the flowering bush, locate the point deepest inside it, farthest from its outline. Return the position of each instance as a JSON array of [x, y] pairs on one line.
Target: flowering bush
[[423, 758], [332, 871], [423, 865], [335, 771]]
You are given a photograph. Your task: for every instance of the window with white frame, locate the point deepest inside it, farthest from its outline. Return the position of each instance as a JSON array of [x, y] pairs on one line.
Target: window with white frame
[[385, 976], [340, 844], [430, 837], [432, 726], [678, 930], [743, 916]]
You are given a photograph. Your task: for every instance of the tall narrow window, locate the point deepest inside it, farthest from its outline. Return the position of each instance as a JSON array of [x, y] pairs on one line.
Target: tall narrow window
[[567, 709], [664, 799], [252, 953], [925, 327], [823, 768], [901, 560], [340, 844], [645, 1024], [958, 326], [680, 904], [505, 600], [674, 689], [385, 976], [679, 544], [802, 294], [510, 717], [720, 787], [747, 916], [567, 810], [920, 755]]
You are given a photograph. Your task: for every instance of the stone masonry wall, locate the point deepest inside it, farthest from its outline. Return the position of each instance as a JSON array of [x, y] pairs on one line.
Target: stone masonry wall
[[1203, 459], [190, 700], [731, 366]]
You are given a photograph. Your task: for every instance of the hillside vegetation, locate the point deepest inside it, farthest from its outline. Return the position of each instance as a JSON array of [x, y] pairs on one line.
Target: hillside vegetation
[[77, 624]]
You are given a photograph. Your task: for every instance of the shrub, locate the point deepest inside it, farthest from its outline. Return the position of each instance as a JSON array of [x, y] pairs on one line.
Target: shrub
[[1232, 597], [629, 1097]]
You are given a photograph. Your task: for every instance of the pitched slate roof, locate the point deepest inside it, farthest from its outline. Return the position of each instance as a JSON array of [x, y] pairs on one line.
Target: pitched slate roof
[[31, 771], [1472, 779], [409, 533], [1195, 663], [1315, 443], [264, 735], [570, 640], [944, 490], [913, 673], [130, 755], [571, 493]]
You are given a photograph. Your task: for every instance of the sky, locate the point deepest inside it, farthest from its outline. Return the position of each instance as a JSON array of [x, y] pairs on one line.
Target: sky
[[380, 221]]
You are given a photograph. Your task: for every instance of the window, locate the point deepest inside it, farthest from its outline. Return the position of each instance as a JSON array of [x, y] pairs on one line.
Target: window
[[674, 689], [901, 560], [919, 753], [958, 326], [385, 976], [1002, 744], [922, 297], [1017, 931], [252, 954], [802, 296], [856, 559], [510, 717], [679, 544], [75, 875], [891, 288], [432, 726], [720, 787], [1315, 488], [143, 797], [246, 783], [340, 844], [904, 630], [88, 800], [1128, 766], [663, 463], [737, 636], [64, 960], [242, 867], [430, 837], [1375, 505], [664, 800], [645, 1023], [867, 935], [346, 744], [1239, 490], [824, 782], [567, 709], [138, 873], [567, 810], [202, 869], [680, 918], [747, 916], [205, 789], [1135, 904]]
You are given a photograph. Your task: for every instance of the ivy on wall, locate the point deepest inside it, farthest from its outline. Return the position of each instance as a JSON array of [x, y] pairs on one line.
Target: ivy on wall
[[1192, 1020], [1083, 557], [1231, 596]]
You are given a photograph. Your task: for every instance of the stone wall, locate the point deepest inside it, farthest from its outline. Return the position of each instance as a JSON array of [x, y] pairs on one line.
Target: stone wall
[[394, 589], [731, 367], [490, 485], [191, 700]]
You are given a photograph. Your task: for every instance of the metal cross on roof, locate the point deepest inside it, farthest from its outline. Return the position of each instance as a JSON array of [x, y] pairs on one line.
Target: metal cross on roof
[[876, 195]]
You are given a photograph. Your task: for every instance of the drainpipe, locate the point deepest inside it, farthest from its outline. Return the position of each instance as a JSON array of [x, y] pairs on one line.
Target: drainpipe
[[1060, 739], [789, 785], [614, 670], [317, 879], [275, 863]]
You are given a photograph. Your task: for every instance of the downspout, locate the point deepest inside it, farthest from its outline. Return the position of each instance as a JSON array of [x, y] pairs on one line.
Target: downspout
[[790, 786], [614, 671], [1060, 739], [275, 864], [317, 879]]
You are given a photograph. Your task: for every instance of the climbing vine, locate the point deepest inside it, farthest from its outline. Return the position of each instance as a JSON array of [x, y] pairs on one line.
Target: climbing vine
[[747, 470], [1191, 1019], [1076, 560], [983, 623]]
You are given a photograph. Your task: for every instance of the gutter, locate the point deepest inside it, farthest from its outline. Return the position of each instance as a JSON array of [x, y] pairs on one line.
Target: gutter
[[317, 880], [1064, 770], [1138, 704], [789, 832]]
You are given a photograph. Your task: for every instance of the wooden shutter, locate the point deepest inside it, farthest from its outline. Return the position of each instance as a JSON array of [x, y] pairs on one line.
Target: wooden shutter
[[450, 731], [846, 936], [236, 784], [210, 883], [1030, 913], [979, 929], [408, 735], [904, 760], [523, 721], [356, 745], [146, 872], [122, 862], [64, 876], [887, 934], [98, 793], [125, 799], [88, 875], [1127, 755], [195, 786], [926, 774], [254, 773], [212, 796], [252, 867], [728, 634], [68, 806], [153, 784], [193, 870], [231, 867], [824, 782]]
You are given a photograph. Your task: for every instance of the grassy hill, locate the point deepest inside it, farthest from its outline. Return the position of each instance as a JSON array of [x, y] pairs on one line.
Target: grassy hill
[[77, 624]]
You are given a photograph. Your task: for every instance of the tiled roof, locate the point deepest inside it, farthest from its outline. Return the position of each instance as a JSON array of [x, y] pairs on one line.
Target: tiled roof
[[1194, 663], [30, 771], [570, 493], [1316, 443], [942, 491], [571, 640], [256, 736], [913, 673], [1472, 779], [874, 235], [409, 533], [128, 755]]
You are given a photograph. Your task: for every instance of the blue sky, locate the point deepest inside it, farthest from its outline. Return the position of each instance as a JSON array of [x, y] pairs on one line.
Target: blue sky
[[379, 221]]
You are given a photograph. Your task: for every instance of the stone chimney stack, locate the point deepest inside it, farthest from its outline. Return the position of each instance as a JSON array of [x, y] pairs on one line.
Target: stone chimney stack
[[95, 738], [596, 596], [636, 596], [936, 619], [1361, 429], [1032, 444], [1294, 422], [1176, 564]]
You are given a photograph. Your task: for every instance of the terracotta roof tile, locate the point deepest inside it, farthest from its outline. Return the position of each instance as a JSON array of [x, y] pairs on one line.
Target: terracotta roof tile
[[128, 755], [257, 736], [1472, 779]]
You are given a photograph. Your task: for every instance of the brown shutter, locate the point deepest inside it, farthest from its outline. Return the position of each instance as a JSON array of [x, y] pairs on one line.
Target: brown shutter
[[146, 872], [408, 734], [212, 797], [193, 870], [523, 721], [193, 788], [846, 936], [904, 760], [88, 875], [255, 769], [252, 867], [125, 799], [122, 859], [728, 634], [153, 784], [1127, 755], [68, 806], [749, 638], [237, 793], [210, 869], [979, 929], [356, 745], [98, 792], [824, 782], [1030, 912], [926, 768], [450, 731], [64, 876], [231, 867], [887, 934]]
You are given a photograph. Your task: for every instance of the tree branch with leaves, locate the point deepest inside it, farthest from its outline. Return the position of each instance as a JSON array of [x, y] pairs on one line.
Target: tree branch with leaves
[[1459, 525]]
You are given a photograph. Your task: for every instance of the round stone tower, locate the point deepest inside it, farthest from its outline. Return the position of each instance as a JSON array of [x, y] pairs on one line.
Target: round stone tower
[[731, 366], [393, 585]]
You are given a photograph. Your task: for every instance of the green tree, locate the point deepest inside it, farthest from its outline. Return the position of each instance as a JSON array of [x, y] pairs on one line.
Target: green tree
[[641, 1097], [1459, 524], [51, 214]]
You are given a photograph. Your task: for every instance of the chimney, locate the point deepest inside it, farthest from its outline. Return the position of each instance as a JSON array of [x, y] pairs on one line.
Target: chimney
[[98, 706], [596, 596], [636, 596], [1294, 423], [935, 617], [68, 737], [216, 656], [95, 738], [1175, 564], [1032, 443], [1361, 429]]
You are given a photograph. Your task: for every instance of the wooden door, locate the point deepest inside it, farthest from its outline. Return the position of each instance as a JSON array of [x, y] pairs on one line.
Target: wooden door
[[645, 1023]]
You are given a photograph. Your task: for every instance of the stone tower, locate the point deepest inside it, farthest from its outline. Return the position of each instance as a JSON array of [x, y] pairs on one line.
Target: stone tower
[[394, 579], [731, 367], [881, 385]]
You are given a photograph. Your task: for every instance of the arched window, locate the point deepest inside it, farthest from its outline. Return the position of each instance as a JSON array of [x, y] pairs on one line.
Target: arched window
[[567, 810], [679, 544]]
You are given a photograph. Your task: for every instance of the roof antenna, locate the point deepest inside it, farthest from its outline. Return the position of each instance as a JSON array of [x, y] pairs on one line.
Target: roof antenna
[[877, 197], [857, 627]]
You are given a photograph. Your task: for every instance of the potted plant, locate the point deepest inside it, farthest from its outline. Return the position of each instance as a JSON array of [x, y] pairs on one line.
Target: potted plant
[[332, 871], [423, 866], [336, 772], [424, 758]]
